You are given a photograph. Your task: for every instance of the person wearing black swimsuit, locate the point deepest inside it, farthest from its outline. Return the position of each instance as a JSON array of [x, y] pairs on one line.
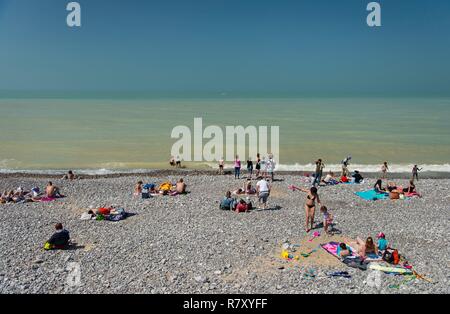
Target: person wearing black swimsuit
[[310, 206]]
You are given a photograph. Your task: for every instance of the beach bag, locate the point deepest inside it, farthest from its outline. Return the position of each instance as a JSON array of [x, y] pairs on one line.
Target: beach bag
[[145, 195], [388, 257], [395, 257]]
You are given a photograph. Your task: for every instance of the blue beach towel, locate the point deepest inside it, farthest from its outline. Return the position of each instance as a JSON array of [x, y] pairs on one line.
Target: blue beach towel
[[371, 195]]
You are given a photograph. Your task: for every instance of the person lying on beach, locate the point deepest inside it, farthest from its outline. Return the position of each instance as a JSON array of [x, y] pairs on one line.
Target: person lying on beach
[[378, 188], [238, 192], [69, 176], [343, 250], [357, 176], [330, 179], [248, 188], [411, 188], [138, 188], [52, 191], [59, 240], [227, 202], [365, 248], [327, 219], [310, 206]]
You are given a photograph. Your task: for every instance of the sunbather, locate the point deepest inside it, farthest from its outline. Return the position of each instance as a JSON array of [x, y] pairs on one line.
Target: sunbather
[[228, 202], [51, 190], [343, 250], [365, 248], [248, 188], [181, 186], [378, 188]]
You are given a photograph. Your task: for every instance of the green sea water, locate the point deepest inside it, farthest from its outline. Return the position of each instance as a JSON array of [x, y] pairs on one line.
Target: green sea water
[[134, 133]]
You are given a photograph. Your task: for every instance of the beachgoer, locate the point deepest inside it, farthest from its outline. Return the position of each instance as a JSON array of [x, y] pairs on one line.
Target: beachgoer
[[411, 188], [263, 190], [258, 165], [384, 170], [181, 186], [365, 248], [138, 188], [343, 250], [249, 167], [271, 167], [227, 202], [178, 162], [382, 242], [378, 188], [51, 190], [172, 161], [248, 188], [237, 167], [221, 165], [310, 205], [318, 173], [415, 172], [241, 207], [358, 177], [59, 240], [345, 164], [327, 218], [69, 176]]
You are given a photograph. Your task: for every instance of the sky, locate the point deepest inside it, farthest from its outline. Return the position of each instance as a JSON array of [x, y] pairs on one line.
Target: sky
[[227, 46]]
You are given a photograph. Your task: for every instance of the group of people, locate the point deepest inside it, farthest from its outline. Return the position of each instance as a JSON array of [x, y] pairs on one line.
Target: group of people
[[262, 167], [262, 190], [394, 191], [34, 195], [368, 248], [165, 188], [175, 161], [331, 179]]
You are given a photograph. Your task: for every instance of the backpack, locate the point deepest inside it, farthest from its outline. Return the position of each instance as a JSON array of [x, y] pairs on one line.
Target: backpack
[[388, 257]]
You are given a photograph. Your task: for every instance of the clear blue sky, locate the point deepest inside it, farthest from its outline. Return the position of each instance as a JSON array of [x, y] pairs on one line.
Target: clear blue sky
[[227, 45]]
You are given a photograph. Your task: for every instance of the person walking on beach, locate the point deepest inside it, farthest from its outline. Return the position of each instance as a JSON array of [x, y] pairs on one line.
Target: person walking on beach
[[263, 190], [319, 171], [237, 167], [249, 167], [263, 167], [384, 170], [221, 164], [258, 165], [415, 173]]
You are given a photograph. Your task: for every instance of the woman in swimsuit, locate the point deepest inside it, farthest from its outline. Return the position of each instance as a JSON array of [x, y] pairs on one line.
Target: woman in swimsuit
[[310, 206], [258, 165]]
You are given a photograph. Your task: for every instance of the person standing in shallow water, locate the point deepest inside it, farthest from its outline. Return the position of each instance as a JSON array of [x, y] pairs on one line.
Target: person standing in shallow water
[[415, 173]]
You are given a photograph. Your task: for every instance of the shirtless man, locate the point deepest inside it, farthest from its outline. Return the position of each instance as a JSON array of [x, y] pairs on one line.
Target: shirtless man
[[181, 186], [51, 190]]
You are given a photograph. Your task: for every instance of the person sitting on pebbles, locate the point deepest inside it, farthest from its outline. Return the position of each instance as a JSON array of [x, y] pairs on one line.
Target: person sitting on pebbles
[[52, 191], [59, 240], [138, 188], [69, 176]]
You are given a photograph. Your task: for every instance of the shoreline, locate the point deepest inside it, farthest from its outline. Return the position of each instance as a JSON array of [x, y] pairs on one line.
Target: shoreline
[[200, 172]]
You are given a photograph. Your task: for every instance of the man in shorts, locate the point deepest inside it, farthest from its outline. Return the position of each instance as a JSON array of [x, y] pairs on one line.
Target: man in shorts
[[263, 190]]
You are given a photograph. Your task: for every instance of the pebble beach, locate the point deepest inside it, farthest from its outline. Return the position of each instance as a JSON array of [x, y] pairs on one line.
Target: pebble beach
[[186, 244]]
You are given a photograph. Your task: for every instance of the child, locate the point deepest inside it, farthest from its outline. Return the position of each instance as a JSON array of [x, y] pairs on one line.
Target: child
[[242, 207], [382, 242], [327, 218], [59, 240], [343, 250]]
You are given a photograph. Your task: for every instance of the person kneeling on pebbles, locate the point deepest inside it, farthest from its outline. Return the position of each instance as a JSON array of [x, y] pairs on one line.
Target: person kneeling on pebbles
[[59, 240], [263, 190]]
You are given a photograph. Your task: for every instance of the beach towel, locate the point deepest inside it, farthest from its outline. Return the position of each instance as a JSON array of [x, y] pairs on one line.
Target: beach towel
[[371, 195]]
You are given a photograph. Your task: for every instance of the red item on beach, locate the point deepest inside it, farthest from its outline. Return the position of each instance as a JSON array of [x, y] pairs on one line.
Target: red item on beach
[[241, 208], [104, 211]]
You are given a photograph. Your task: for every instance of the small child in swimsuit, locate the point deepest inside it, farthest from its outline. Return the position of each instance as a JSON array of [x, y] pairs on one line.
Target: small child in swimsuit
[[327, 218]]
